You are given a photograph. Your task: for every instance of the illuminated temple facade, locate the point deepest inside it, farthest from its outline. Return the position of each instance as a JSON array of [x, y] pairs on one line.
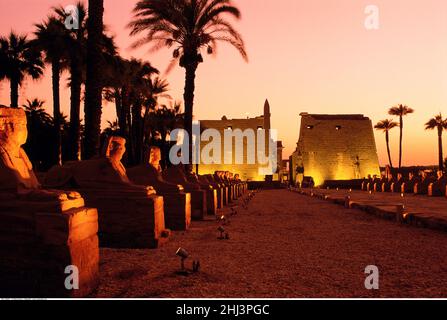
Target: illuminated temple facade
[[335, 147], [248, 170]]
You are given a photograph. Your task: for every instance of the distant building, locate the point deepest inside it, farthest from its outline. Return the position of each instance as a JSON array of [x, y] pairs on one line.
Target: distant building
[[334, 147], [248, 171]]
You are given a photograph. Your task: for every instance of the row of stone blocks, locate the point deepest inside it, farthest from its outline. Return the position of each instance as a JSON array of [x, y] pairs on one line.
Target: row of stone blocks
[[432, 189], [37, 247]]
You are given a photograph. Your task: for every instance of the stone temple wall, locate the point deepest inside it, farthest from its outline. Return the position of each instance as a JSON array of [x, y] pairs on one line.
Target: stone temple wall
[[336, 147], [248, 172]]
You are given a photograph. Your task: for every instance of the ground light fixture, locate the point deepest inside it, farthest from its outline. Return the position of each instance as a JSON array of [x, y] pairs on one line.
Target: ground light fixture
[[183, 254], [222, 231]]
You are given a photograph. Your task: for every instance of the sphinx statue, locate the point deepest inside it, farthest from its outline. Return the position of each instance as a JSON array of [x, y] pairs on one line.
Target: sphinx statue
[[438, 187], [408, 185], [422, 185], [176, 174], [52, 228], [211, 192], [221, 175], [220, 188], [105, 185], [177, 203]]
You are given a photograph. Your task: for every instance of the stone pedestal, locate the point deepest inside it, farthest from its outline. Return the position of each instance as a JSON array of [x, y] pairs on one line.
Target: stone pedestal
[[177, 209], [421, 187], [177, 203], [127, 219], [437, 189], [198, 204], [37, 247]]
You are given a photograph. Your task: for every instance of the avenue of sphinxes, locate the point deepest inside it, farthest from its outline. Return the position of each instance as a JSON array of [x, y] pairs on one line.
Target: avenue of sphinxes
[[80, 207], [105, 185]]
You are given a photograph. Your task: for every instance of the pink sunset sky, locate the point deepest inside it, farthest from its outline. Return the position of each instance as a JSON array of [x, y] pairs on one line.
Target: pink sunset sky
[[311, 56]]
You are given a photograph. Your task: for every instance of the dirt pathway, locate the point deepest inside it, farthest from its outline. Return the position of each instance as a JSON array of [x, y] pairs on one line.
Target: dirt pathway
[[286, 245]]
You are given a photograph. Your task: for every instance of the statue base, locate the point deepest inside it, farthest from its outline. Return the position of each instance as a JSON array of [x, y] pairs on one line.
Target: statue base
[[37, 247]]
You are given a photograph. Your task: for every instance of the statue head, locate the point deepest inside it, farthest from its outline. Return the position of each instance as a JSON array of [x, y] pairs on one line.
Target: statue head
[[116, 147], [154, 156], [13, 131]]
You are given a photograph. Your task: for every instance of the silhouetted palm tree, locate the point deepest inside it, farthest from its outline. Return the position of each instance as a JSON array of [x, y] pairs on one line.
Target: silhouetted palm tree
[[51, 38], [40, 142], [76, 43], [386, 125], [159, 89], [129, 83], [440, 124], [94, 85], [400, 111], [18, 59], [188, 26], [36, 111], [112, 128]]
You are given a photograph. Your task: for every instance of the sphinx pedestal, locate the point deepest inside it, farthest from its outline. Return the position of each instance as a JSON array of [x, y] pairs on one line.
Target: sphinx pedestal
[[177, 211], [437, 189], [211, 201], [128, 219], [38, 244]]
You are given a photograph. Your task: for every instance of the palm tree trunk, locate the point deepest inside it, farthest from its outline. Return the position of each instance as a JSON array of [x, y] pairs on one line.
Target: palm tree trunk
[[56, 73], [441, 158], [129, 137], [387, 138], [188, 97], [400, 140], [75, 109], [93, 86], [14, 83], [118, 107], [137, 132]]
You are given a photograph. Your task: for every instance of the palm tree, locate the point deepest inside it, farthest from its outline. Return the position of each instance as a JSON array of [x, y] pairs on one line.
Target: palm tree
[[440, 124], [400, 111], [51, 39], [39, 145], [386, 125], [75, 42], [36, 111], [18, 59], [159, 89], [93, 86], [188, 26], [129, 84]]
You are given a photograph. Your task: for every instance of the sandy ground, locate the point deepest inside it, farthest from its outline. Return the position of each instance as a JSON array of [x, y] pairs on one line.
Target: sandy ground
[[285, 246]]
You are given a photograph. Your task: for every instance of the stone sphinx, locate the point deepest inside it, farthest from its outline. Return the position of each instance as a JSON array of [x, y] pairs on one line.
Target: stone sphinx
[[176, 174], [217, 177], [386, 185], [408, 186], [41, 231], [211, 192], [438, 188], [242, 186], [231, 178], [104, 183], [396, 186], [220, 188], [177, 203], [223, 178], [421, 187]]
